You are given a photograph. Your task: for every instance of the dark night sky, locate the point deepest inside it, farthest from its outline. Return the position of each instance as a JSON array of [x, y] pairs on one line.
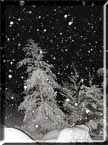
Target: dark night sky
[[68, 34]]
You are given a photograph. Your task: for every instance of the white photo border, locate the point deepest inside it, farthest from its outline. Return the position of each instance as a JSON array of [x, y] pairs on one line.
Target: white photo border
[[105, 99], [104, 66]]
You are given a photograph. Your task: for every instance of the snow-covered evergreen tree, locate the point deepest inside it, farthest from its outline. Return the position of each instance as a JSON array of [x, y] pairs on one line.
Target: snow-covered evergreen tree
[[84, 102], [41, 111]]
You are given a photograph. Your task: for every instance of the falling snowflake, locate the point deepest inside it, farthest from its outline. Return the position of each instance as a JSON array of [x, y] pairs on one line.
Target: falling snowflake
[[11, 62], [21, 2], [30, 12], [9, 76], [19, 19], [8, 39], [12, 97], [41, 52], [44, 30], [70, 22], [25, 87], [54, 58], [22, 77], [67, 100], [87, 111], [36, 125], [76, 104], [82, 80], [11, 22], [65, 16], [39, 17], [10, 70], [19, 44], [66, 50]]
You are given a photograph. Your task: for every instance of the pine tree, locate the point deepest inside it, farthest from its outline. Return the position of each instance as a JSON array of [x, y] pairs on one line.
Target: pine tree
[[83, 103], [42, 114]]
